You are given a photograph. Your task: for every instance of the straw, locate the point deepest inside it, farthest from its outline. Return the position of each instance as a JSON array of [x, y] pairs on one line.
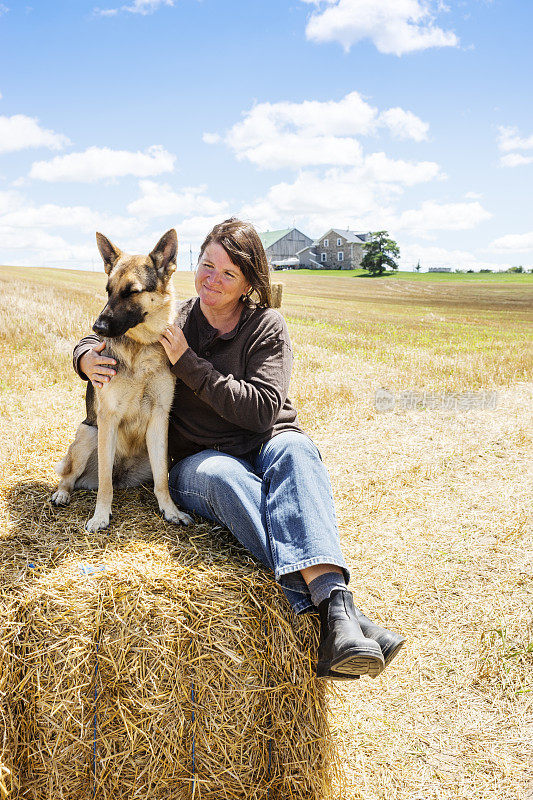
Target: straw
[[161, 665]]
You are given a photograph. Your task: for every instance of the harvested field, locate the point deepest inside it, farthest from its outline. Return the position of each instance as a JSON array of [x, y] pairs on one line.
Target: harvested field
[[433, 500]]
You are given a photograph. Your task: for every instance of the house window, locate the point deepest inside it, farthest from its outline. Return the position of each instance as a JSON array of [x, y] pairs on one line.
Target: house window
[[339, 242], [326, 242], [340, 256], [323, 256]]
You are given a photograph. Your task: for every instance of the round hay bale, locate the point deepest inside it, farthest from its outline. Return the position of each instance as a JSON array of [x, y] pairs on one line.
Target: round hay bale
[[277, 293], [161, 666], [8, 721], [5, 782]]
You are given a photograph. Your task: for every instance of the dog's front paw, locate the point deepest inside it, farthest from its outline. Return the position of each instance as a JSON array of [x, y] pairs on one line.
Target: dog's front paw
[[97, 523], [60, 498], [173, 514]]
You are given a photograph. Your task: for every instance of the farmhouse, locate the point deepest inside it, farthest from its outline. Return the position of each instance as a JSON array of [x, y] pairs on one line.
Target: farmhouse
[[336, 249], [281, 247]]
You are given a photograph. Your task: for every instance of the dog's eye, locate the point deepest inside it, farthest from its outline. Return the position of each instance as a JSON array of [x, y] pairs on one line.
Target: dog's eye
[[128, 292]]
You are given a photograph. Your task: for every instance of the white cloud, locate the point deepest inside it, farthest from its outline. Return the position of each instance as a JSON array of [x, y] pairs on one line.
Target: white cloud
[[194, 229], [515, 160], [268, 123], [510, 139], [21, 132], [103, 163], [435, 256], [40, 247], [211, 138], [3, 10], [8, 201], [404, 124], [49, 215], [27, 241], [81, 218], [295, 135], [33, 234], [379, 168], [442, 216], [358, 198], [394, 26], [292, 151], [43, 247], [17, 213], [337, 193], [143, 7], [160, 200], [517, 242], [355, 189]]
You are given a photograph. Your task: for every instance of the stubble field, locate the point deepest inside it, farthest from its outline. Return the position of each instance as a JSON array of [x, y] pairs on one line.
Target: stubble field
[[433, 496]]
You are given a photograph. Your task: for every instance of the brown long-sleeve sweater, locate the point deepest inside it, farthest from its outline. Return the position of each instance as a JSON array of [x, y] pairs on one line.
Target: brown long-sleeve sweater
[[231, 389]]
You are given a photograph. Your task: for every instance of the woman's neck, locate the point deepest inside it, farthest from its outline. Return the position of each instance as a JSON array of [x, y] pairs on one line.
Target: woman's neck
[[224, 321]]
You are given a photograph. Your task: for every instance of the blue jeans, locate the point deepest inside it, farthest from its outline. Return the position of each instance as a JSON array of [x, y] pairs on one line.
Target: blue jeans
[[277, 502]]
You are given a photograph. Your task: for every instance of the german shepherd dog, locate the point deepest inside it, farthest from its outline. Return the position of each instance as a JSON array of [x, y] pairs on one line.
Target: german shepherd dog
[[124, 437]]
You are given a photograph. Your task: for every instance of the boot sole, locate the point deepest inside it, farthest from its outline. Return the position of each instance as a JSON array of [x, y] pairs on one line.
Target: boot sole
[[352, 666], [335, 675], [359, 665]]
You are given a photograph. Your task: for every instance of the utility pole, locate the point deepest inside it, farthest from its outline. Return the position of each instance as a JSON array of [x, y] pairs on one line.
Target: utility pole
[[190, 257]]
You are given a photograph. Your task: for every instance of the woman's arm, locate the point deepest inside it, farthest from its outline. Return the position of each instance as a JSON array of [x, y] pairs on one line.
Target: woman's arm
[[253, 403], [89, 362]]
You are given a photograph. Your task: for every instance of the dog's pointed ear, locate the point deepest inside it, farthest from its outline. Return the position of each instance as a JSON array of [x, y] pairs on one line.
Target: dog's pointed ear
[[108, 251], [165, 253]]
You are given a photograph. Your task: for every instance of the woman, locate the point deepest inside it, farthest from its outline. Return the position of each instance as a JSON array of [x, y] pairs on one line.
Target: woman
[[238, 454]]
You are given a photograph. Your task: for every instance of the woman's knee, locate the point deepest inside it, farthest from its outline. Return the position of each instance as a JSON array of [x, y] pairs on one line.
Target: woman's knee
[[208, 473], [292, 448], [194, 483]]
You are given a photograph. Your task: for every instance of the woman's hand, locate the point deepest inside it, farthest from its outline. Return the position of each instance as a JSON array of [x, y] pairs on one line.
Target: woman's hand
[[174, 342], [92, 363]]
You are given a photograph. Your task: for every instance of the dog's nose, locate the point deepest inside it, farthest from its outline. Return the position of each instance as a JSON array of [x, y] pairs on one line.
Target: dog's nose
[[101, 327]]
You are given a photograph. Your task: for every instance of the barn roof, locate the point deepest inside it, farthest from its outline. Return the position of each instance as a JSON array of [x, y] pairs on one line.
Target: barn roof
[[269, 238]]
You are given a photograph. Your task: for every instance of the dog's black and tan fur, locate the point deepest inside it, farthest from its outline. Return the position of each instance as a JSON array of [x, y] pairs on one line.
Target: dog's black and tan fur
[[124, 438]]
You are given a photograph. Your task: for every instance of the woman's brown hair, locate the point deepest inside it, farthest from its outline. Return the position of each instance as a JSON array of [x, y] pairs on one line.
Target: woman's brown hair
[[241, 242]]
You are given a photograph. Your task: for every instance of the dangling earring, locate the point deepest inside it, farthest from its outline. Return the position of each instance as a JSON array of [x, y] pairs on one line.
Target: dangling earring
[[245, 297]]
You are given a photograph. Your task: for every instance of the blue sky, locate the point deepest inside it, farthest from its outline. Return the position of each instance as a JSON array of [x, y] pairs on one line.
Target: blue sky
[[409, 115]]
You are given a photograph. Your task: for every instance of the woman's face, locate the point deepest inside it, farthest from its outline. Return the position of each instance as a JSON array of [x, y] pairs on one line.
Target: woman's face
[[218, 281]]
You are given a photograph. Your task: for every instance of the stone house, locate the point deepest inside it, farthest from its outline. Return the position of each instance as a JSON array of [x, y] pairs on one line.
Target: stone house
[[336, 249], [282, 246], [307, 258]]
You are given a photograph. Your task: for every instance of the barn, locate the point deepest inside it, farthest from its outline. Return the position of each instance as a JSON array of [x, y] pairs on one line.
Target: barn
[[282, 246]]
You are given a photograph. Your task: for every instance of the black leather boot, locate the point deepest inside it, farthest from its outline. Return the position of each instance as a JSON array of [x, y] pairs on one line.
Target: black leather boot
[[343, 647], [389, 642]]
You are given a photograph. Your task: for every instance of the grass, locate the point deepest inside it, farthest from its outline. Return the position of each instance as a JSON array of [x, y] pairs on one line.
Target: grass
[[433, 505], [438, 277]]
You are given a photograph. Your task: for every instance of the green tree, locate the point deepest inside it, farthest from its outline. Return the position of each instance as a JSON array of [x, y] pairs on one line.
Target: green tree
[[418, 267], [380, 253]]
